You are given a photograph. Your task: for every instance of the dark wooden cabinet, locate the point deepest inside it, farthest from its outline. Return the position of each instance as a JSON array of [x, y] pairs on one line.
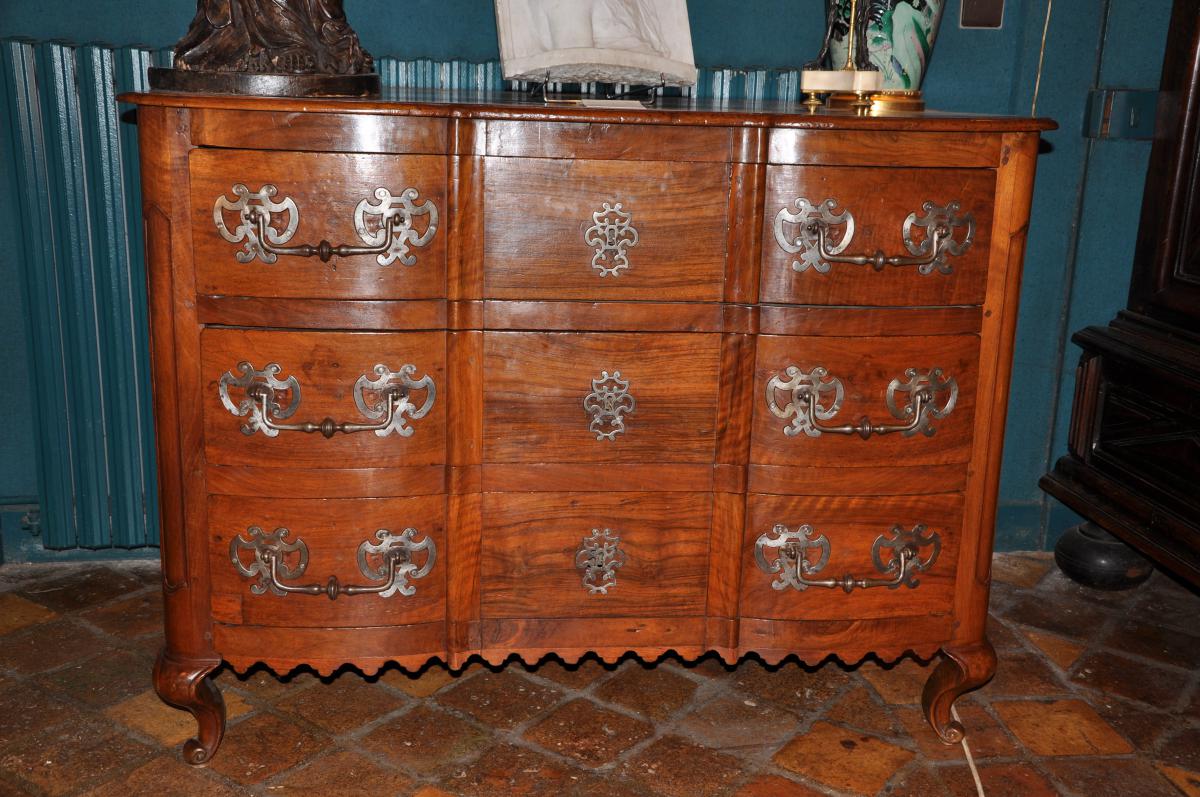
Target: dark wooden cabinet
[[440, 379], [1133, 464]]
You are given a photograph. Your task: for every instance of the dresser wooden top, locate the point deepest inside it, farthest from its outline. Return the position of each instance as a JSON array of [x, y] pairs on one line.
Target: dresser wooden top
[[669, 111]]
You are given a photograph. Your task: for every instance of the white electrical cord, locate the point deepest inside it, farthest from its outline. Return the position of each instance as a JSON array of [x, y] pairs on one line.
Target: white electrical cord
[[970, 758]]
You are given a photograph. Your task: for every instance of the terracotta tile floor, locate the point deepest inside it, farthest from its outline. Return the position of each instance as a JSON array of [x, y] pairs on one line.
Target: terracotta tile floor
[[1097, 694]]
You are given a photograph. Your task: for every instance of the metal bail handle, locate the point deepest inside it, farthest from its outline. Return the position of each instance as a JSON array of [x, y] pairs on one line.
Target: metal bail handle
[[794, 562], [384, 400], [388, 236], [815, 397], [929, 252], [388, 563]]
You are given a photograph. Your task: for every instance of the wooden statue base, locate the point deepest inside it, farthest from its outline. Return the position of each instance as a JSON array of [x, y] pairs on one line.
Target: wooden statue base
[[264, 85]]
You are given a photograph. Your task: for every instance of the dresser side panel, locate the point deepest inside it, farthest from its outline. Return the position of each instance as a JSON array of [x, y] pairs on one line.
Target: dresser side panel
[[1014, 191], [163, 136]]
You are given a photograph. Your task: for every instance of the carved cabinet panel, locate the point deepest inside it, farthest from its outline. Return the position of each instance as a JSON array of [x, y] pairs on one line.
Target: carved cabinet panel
[[839, 235], [260, 218], [583, 229], [833, 401], [602, 397], [323, 399]]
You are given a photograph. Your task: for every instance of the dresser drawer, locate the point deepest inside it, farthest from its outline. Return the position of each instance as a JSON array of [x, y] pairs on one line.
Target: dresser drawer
[[549, 555], [815, 214], [283, 399], [866, 401], [866, 557], [571, 397], [250, 207], [628, 230], [278, 562]]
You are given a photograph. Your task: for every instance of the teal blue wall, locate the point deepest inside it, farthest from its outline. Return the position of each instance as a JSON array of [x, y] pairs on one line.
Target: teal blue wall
[[1085, 204]]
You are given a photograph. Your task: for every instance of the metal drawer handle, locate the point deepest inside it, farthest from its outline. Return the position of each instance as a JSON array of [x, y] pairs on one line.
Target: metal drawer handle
[[599, 557], [390, 239], [815, 396], [387, 562], [929, 254], [795, 550], [267, 400]]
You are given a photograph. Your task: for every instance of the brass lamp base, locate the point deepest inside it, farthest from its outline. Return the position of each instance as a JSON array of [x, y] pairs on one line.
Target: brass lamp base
[[880, 101]]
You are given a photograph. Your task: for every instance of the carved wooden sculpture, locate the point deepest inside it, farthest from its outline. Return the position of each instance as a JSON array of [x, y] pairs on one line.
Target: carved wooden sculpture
[[273, 47]]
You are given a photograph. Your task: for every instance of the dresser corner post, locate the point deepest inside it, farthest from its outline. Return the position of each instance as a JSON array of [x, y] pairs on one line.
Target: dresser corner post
[[188, 657], [184, 683], [1014, 191], [962, 668]]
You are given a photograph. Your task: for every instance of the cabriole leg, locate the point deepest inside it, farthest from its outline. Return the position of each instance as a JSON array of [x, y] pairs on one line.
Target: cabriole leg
[[184, 683], [963, 668]]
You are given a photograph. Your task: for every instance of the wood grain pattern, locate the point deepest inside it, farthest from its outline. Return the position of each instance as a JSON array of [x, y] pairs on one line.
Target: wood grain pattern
[[607, 316], [851, 525], [868, 321], [464, 224], [887, 479], [849, 641], [671, 112], [879, 209], [529, 568], [260, 311], [326, 364], [536, 214], [327, 650], [748, 182], [866, 366], [332, 529], [1014, 197], [536, 382], [276, 130], [326, 188], [326, 482], [591, 477], [464, 450], [871, 148], [649, 638], [509, 139]]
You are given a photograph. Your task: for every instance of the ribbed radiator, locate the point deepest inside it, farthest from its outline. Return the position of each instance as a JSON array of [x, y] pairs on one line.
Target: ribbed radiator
[[76, 173]]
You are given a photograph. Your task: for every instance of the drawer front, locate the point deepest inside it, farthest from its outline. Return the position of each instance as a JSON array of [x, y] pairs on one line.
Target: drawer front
[[814, 214], [896, 555], [388, 389], [843, 402], [594, 555], [578, 229], [570, 397], [273, 562], [392, 205]]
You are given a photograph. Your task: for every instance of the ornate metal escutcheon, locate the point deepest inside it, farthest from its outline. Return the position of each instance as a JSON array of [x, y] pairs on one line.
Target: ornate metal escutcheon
[[929, 253], [813, 221], [276, 560], [794, 565], [814, 397], [608, 404], [386, 226], [612, 233], [599, 557], [266, 401]]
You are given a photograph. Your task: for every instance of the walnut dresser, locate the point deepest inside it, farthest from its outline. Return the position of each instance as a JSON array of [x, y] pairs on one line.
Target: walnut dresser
[[438, 378]]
